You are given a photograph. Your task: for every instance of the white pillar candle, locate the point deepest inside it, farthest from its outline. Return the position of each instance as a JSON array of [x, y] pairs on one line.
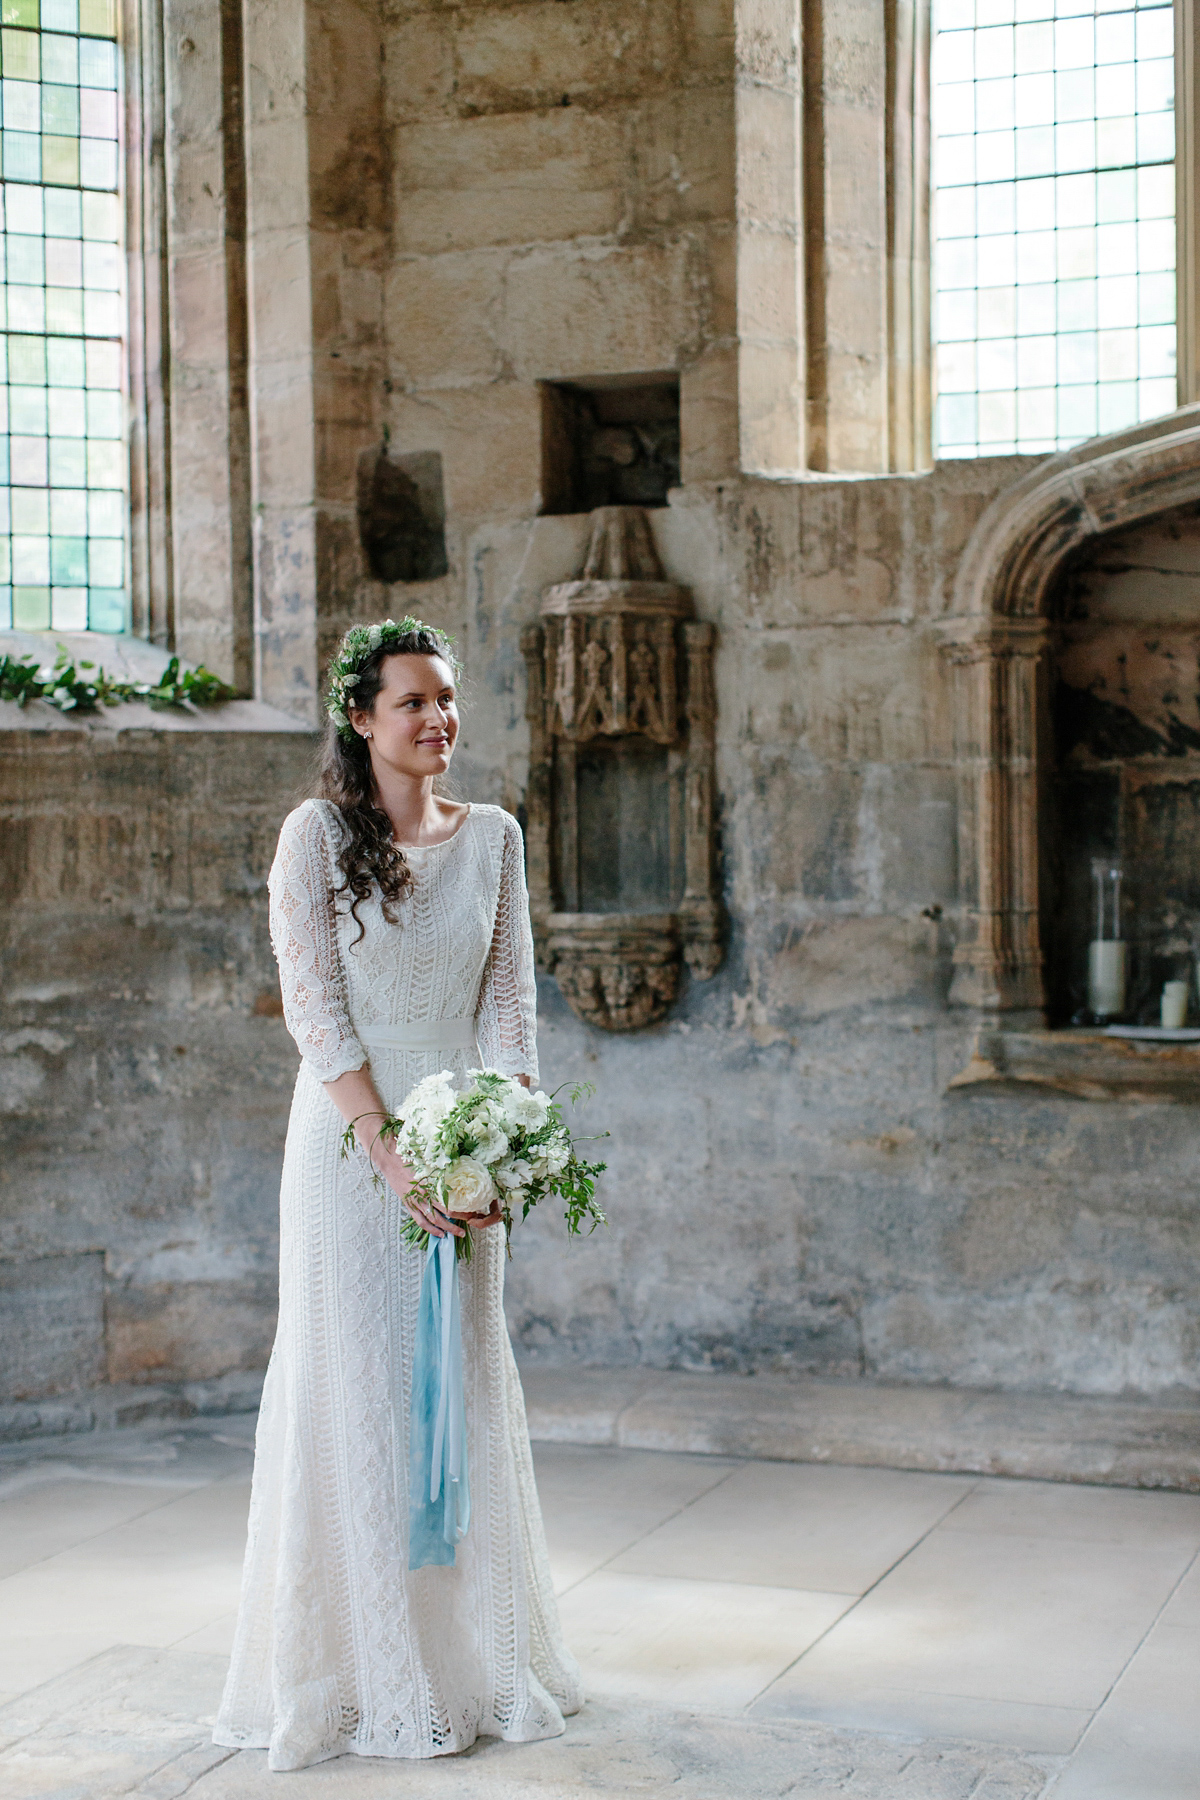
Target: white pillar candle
[[1174, 1005], [1106, 977]]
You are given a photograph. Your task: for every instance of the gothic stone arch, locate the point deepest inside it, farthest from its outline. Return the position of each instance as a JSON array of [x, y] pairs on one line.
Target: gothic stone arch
[[997, 641]]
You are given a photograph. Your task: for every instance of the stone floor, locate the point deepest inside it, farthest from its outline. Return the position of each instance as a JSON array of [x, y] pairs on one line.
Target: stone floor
[[746, 1628]]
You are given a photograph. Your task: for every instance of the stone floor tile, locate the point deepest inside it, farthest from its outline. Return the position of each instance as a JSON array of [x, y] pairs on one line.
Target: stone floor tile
[[1145, 1741], [795, 1525], [867, 1706], [147, 1581], [43, 1519], [1029, 1621], [597, 1502], [1102, 1515], [693, 1643], [1183, 1608], [108, 1726], [216, 1637], [135, 1724]]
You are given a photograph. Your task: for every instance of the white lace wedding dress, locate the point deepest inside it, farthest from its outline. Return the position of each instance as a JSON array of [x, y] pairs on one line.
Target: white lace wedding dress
[[339, 1647]]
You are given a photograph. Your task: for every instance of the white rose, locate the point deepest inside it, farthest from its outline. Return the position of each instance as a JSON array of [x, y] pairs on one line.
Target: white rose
[[469, 1188]]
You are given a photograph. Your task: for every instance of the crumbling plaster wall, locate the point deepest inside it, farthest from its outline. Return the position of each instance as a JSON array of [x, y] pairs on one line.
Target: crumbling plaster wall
[[550, 191]]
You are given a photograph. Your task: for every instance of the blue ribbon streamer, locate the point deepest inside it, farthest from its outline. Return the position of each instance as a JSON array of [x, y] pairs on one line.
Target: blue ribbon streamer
[[439, 1492]]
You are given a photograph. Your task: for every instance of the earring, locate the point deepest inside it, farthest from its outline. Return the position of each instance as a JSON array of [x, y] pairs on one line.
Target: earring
[[366, 734]]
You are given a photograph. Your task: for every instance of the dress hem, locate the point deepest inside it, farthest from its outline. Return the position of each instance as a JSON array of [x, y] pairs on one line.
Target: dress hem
[[262, 1741]]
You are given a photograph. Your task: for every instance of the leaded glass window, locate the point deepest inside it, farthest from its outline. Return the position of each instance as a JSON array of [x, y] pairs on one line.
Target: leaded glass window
[[1054, 220], [62, 452]]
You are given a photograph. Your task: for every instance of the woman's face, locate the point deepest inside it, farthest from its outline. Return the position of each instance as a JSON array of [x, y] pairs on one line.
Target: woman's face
[[413, 725]]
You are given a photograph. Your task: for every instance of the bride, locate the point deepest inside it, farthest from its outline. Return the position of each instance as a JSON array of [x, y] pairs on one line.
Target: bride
[[401, 925]]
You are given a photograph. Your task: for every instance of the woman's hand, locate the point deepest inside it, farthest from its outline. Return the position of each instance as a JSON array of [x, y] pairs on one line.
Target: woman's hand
[[399, 1177]]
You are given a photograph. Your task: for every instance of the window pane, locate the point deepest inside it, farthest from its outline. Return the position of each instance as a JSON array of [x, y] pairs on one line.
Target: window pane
[[1054, 221], [63, 473]]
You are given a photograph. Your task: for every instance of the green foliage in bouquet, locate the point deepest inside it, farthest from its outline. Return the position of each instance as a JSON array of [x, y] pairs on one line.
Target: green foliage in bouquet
[[496, 1143], [82, 687]]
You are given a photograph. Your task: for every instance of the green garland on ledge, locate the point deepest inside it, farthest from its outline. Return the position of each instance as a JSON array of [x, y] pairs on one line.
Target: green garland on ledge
[[64, 684]]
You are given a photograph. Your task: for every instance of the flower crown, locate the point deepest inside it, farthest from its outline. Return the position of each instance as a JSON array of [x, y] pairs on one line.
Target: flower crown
[[359, 643]]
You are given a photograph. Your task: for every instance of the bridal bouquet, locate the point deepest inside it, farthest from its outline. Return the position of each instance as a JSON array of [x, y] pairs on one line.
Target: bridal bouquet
[[496, 1142]]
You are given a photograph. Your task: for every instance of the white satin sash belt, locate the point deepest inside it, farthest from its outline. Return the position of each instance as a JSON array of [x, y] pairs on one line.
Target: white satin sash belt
[[424, 1034]]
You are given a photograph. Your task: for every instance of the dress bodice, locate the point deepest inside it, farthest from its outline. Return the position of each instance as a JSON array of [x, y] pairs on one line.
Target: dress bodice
[[460, 948]]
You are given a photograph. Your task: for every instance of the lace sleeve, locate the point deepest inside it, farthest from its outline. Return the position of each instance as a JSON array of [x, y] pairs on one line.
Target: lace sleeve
[[506, 1016], [304, 934]]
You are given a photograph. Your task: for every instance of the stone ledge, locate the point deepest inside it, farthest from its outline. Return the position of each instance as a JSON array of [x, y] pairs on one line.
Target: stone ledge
[[127, 659], [124, 1404], [1044, 1437], [1085, 1064]]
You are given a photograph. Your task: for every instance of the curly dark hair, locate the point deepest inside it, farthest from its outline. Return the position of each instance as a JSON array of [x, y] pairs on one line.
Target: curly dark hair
[[368, 857]]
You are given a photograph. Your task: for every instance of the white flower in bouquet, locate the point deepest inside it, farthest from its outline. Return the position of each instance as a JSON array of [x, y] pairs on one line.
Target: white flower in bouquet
[[530, 1108], [492, 1147], [430, 1101], [512, 1175], [468, 1188]]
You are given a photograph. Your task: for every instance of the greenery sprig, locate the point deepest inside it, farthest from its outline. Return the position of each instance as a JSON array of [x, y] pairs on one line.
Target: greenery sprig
[[82, 687]]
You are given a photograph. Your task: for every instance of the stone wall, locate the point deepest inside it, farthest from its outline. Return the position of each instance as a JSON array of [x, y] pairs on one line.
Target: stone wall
[[445, 207], [145, 1072], [792, 1186]]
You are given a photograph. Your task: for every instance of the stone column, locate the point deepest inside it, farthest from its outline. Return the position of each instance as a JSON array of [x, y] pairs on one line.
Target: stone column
[[833, 235], [317, 199], [770, 284], [208, 585], [283, 425], [999, 666], [1187, 199]]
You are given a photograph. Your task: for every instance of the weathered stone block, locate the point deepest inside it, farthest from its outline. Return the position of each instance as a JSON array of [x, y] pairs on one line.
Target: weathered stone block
[[538, 54], [683, 143], [189, 1331], [464, 425], [418, 65], [598, 311], [51, 1324], [834, 963], [520, 178], [442, 317]]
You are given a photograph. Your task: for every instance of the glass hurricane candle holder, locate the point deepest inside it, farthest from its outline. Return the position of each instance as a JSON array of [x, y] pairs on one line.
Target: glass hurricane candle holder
[[1106, 952]]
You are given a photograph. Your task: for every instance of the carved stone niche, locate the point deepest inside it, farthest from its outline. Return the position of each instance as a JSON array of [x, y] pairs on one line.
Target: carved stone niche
[[620, 800], [998, 643]]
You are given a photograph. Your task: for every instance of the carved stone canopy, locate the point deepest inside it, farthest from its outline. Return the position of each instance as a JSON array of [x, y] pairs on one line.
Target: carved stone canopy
[[618, 658], [610, 637]]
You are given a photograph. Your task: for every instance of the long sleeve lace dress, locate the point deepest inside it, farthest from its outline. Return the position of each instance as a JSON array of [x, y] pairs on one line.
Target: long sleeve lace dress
[[339, 1647]]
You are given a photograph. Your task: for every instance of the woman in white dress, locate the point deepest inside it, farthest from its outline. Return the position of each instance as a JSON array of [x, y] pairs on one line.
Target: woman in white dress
[[401, 925]]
